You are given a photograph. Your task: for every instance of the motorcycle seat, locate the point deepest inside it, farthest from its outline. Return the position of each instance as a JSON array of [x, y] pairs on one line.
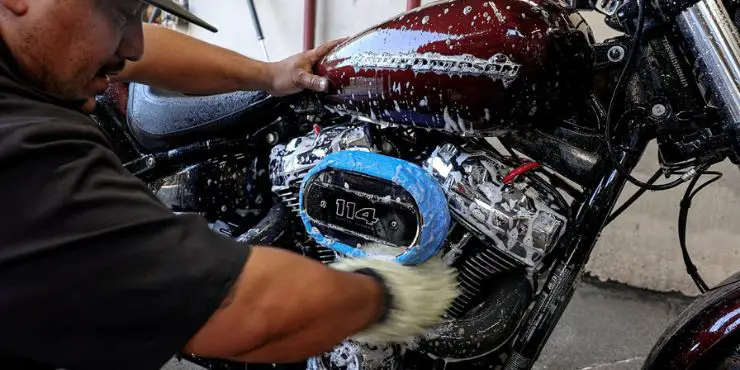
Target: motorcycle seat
[[161, 119]]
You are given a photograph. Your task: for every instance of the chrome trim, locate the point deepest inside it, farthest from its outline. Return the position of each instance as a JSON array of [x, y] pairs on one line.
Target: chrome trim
[[715, 43]]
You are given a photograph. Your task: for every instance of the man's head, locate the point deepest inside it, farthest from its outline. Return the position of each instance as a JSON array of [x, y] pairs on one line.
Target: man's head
[[68, 47]]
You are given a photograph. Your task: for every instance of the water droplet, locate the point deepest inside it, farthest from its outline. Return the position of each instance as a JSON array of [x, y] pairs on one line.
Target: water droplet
[[447, 10], [425, 20], [467, 10]]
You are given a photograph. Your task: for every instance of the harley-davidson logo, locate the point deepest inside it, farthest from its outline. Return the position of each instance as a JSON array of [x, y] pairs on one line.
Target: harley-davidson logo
[[499, 67]]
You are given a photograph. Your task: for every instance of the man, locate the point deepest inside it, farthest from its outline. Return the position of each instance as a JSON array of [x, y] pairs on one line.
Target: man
[[95, 273]]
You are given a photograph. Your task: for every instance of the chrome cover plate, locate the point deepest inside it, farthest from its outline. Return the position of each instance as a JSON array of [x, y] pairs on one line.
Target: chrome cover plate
[[518, 219], [290, 163], [350, 355]]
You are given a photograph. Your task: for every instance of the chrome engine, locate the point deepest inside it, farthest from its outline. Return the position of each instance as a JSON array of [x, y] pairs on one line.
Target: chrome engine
[[499, 237], [517, 219], [290, 163]]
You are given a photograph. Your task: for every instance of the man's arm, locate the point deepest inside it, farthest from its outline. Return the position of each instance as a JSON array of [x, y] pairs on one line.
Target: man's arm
[[287, 308], [178, 62]]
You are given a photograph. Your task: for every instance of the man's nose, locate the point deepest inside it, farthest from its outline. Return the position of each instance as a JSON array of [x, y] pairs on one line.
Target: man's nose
[[132, 43]]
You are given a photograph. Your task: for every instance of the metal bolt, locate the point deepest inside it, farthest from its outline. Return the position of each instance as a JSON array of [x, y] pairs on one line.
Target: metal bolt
[[394, 224], [615, 54], [150, 162], [659, 110], [272, 138]]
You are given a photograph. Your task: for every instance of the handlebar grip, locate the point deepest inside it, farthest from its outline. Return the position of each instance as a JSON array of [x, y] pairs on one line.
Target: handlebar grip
[[255, 20]]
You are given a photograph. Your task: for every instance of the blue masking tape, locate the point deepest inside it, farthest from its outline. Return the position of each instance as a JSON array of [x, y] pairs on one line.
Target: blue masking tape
[[425, 190]]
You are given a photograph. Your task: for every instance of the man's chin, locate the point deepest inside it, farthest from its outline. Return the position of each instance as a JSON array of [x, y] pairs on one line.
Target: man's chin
[[89, 105], [97, 86]]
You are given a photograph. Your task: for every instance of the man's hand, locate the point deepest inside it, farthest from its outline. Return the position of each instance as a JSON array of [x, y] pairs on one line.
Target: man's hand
[[295, 74]]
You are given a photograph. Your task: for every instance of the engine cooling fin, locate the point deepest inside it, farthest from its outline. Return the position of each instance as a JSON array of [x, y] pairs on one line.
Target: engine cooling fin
[[289, 195], [475, 272], [325, 255]]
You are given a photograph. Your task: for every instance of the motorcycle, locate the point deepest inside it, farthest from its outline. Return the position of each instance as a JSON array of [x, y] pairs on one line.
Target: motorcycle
[[496, 135]]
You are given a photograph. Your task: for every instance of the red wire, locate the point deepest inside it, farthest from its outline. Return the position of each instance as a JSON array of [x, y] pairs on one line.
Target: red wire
[[515, 173]]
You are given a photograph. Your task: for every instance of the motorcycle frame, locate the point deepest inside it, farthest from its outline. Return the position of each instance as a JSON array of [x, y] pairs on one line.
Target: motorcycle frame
[[710, 323]]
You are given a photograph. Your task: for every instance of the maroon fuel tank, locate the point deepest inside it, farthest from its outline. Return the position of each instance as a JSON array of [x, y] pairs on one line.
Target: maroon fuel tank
[[470, 67]]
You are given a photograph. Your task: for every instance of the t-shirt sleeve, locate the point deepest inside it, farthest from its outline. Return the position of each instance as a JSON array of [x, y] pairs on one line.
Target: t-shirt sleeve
[[95, 272]]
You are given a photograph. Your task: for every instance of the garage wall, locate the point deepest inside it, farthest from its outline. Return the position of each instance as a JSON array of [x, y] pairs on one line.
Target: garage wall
[[640, 248], [282, 22]]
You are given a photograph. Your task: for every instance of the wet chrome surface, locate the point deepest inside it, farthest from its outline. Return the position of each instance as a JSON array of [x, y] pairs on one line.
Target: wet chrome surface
[[715, 42]]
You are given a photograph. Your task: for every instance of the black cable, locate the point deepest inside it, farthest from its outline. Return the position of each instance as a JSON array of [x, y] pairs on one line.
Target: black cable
[[683, 217], [597, 9], [608, 128], [633, 198]]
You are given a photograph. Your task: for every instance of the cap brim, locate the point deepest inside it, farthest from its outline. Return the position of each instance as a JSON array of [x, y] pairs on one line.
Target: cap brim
[[171, 7]]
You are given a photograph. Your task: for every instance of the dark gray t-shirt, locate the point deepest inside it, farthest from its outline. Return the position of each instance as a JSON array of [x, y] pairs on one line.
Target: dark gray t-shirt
[[95, 272]]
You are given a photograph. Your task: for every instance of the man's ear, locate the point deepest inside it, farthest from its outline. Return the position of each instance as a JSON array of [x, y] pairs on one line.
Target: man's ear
[[17, 7]]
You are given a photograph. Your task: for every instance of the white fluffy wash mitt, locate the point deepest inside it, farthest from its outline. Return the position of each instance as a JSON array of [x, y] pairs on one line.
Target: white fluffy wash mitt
[[418, 296]]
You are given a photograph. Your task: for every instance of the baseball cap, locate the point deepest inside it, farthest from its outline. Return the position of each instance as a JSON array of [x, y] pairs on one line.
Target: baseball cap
[[173, 8]]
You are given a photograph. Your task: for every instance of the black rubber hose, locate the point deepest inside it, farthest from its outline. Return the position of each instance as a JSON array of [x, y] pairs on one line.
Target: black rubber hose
[[270, 229], [683, 216], [255, 20]]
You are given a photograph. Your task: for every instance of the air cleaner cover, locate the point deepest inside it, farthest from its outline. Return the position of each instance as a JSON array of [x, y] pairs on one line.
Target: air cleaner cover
[[360, 204]]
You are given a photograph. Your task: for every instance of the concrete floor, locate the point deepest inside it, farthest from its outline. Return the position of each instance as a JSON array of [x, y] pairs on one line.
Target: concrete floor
[[606, 327], [609, 327]]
